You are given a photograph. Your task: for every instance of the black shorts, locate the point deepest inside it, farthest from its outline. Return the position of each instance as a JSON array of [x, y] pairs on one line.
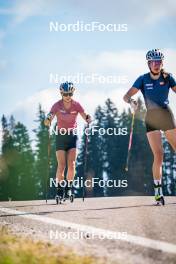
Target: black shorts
[[66, 142], [159, 119]]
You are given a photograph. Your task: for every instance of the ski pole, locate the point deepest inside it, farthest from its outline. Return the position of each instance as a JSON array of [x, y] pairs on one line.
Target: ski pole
[[130, 140], [48, 173], [85, 160]]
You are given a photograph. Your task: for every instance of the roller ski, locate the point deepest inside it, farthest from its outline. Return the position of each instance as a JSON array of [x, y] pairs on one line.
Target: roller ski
[[64, 194], [59, 199], [68, 193], [159, 198], [69, 196], [60, 196]]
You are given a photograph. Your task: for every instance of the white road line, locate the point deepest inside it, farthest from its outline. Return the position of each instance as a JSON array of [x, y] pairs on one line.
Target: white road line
[[141, 241]]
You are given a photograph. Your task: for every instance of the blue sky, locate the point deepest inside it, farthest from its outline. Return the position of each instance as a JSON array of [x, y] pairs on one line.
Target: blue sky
[[29, 52]]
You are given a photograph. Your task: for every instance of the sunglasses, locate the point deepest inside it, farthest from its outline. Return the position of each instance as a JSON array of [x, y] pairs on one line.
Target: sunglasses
[[156, 62], [67, 94]]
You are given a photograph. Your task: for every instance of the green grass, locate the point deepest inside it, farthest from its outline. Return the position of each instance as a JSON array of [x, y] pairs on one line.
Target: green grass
[[19, 250]]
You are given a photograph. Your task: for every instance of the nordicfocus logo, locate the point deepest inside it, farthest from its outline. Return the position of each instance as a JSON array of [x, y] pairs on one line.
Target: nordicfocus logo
[[111, 131], [78, 235], [90, 183], [80, 26], [92, 78]]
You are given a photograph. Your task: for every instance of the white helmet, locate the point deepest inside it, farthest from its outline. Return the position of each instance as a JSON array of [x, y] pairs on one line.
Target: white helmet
[[154, 55]]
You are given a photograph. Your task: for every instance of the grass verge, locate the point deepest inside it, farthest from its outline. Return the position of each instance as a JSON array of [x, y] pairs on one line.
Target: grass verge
[[19, 250]]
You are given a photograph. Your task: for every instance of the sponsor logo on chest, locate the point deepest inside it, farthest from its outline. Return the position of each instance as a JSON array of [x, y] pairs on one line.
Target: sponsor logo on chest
[[63, 111], [149, 86]]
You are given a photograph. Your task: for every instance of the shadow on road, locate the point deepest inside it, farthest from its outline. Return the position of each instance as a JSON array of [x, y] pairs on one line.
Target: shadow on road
[[77, 210]]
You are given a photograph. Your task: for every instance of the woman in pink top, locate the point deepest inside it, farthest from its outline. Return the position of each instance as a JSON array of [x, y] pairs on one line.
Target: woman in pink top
[[66, 110]]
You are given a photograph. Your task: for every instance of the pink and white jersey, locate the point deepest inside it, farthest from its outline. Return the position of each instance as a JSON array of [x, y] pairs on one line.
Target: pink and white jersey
[[66, 118]]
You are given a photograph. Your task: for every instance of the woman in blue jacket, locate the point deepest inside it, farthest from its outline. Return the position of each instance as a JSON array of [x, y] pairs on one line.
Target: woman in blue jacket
[[155, 87]]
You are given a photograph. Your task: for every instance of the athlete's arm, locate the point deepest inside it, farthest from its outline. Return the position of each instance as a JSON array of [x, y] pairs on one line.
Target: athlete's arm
[[174, 89], [86, 117], [172, 82], [132, 91]]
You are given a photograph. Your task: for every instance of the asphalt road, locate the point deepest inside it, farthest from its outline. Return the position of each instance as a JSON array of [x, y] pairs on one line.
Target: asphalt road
[[120, 229]]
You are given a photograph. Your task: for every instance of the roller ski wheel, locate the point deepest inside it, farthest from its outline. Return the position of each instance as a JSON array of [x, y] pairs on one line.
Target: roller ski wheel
[[159, 200], [71, 198]]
